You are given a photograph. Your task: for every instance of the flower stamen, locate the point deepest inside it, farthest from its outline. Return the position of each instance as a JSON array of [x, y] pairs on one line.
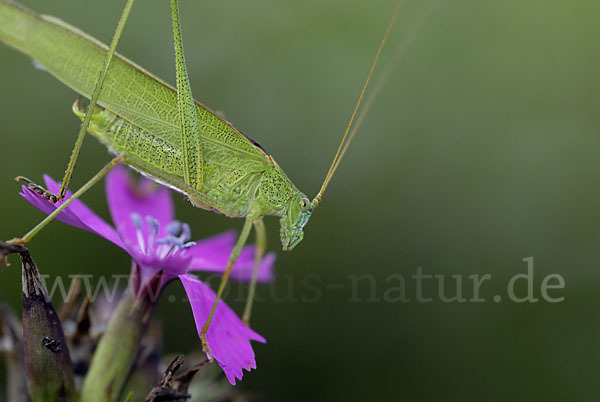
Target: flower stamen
[[138, 223]]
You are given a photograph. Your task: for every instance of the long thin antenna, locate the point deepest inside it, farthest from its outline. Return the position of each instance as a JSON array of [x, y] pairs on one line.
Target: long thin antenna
[[402, 47], [335, 163]]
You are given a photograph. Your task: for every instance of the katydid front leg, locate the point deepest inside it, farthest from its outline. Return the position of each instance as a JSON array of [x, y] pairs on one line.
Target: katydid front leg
[[235, 253], [261, 247]]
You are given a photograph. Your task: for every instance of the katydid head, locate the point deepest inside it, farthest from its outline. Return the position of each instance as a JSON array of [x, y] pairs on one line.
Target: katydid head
[[295, 217]]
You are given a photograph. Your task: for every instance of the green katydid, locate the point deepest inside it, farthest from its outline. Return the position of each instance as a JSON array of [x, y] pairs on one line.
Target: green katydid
[[163, 133]]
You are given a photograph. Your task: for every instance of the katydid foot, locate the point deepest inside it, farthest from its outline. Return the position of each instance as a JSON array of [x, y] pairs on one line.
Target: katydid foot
[[38, 189]]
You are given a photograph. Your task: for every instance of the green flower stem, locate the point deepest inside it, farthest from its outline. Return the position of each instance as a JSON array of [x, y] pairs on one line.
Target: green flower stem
[[117, 350]]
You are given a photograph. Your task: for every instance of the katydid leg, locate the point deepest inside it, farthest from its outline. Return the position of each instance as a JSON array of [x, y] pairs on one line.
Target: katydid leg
[[235, 253], [86, 121], [97, 177], [261, 246], [190, 129]]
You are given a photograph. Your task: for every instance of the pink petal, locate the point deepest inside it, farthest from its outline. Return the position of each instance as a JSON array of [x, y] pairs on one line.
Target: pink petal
[[211, 254], [76, 214], [228, 338], [145, 199]]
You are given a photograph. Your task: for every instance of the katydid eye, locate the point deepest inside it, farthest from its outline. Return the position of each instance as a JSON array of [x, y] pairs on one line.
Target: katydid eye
[[304, 203]]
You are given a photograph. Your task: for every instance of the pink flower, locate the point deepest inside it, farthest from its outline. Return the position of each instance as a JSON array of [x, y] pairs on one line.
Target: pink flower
[[145, 228]]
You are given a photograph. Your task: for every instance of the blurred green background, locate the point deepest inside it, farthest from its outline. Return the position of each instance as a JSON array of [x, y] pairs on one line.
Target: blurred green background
[[480, 151]]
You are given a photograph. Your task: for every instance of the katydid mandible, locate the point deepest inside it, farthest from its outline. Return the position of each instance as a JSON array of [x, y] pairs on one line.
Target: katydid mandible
[[164, 134]]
